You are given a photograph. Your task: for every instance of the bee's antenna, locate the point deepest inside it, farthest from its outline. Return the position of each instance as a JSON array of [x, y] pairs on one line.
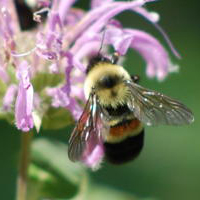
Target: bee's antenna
[[103, 37]]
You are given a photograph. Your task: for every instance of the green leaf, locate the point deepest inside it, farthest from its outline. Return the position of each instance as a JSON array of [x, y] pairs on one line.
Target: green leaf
[[56, 118], [99, 192], [44, 80], [54, 176], [54, 156], [12, 73], [3, 88], [51, 173], [8, 116], [45, 184], [4, 115]]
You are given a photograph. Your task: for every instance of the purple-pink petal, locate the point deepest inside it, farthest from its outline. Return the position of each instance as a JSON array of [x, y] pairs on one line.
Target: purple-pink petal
[[153, 52], [73, 17], [54, 68], [75, 108], [9, 98], [68, 69], [154, 18], [44, 3], [6, 28], [119, 39], [54, 20], [94, 15], [3, 73], [93, 152], [151, 16], [97, 3], [24, 101], [89, 48], [115, 10], [94, 159], [64, 7], [59, 97], [156, 57], [49, 46], [100, 16]]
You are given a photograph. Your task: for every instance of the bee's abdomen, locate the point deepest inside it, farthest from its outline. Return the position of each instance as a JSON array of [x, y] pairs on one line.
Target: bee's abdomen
[[125, 150]]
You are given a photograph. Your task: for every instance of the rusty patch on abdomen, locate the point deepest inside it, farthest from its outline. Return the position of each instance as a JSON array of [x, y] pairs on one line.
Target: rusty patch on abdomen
[[125, 128]]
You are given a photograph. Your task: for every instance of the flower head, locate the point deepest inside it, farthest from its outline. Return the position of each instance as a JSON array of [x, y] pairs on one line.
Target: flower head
[[50, 60]]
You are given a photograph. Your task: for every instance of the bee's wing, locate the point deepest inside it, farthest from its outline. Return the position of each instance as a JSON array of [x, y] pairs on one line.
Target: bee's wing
[[154, 108], [88, 131]]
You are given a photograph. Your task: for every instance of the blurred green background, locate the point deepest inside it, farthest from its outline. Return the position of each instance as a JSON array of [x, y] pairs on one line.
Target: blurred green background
[[169, 165]]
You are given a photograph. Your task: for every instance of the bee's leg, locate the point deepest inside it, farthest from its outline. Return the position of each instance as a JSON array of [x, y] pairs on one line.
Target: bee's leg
[[135, 78], [115, 58]]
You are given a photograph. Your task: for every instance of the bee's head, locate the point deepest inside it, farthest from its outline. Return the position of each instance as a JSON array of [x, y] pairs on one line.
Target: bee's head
[[95, 60], [108, 81]]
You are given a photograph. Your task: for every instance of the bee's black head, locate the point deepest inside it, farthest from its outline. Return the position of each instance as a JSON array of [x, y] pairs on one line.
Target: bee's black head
[[95, 60]]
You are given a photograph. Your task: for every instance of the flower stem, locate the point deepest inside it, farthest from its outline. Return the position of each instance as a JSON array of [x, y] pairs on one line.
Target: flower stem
[[23, 166]]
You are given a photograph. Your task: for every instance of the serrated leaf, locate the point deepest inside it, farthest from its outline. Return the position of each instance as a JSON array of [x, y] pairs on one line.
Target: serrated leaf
[[56, 118], [44, 80]]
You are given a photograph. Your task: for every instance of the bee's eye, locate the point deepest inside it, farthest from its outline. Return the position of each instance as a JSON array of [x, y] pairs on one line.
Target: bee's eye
[[108, 81]]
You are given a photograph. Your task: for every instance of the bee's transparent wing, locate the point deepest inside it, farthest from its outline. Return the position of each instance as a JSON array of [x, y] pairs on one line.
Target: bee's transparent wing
[[89, 130], [154, 108]]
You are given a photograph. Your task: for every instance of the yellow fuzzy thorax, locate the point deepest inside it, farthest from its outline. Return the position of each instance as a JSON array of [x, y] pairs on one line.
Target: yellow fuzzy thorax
[[107, 96], [113, 97]]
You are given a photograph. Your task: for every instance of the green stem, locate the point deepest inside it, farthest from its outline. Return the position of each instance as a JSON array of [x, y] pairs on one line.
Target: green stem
[[23, 166]]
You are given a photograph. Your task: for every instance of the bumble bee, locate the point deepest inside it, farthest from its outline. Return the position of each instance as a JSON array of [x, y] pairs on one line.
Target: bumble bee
[[116, 111]]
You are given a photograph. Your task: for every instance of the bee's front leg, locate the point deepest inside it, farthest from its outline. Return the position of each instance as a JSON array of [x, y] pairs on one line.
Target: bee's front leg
[[115, 58], [135, 78]]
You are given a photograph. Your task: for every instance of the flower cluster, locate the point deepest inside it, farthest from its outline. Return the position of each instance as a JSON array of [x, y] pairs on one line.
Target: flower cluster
[[44, 67]]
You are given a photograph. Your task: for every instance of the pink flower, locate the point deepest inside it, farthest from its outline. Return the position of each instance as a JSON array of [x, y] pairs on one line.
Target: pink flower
[[61, 46]]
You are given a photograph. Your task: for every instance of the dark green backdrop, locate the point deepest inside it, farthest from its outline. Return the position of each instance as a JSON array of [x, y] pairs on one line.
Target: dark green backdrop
[[169, 166]]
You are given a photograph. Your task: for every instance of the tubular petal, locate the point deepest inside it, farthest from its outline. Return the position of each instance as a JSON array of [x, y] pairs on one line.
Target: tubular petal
[[24, 101]]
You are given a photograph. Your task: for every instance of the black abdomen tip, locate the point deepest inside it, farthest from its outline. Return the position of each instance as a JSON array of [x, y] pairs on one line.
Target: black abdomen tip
[[126, 150]]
